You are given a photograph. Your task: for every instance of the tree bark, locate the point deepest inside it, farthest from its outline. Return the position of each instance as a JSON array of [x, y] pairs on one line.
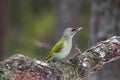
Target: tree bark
[[20, 67], [105, 22]]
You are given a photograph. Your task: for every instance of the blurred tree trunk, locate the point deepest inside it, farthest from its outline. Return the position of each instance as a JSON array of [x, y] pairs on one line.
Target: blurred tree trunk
[[68, 12], [105, 22], [2, 26]]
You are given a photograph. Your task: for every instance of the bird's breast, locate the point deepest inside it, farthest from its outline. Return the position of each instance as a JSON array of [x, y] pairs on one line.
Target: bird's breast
[[65, 51]]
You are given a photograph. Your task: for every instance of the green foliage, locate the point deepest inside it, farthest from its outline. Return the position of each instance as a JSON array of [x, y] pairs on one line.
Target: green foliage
[[41, 26], [24, 41]]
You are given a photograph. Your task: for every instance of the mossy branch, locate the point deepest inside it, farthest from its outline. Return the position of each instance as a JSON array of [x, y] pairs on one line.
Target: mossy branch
[[20, 67]]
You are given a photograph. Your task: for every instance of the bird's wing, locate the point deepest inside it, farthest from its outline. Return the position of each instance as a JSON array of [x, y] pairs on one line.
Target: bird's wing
[[56, 48]]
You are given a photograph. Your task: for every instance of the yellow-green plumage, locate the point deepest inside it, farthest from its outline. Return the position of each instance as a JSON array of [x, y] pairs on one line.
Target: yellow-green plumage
[[63, 46], [56, 48]]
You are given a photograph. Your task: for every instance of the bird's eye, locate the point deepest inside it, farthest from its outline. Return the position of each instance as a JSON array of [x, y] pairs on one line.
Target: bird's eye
[[73, 30]]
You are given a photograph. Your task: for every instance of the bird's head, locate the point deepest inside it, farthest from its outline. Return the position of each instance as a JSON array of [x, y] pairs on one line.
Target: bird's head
[[71, 31]]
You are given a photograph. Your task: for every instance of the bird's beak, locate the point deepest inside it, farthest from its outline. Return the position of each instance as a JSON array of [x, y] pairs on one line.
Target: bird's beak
[[77, 30]]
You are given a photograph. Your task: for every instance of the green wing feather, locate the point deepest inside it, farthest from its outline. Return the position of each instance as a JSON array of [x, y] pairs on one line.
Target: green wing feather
[[55, 49]]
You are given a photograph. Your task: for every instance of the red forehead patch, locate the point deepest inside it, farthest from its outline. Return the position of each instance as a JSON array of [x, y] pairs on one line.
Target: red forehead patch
[[72, 28]]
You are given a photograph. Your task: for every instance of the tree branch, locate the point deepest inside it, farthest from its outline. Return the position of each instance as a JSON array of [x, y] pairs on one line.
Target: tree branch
[[80, 67]]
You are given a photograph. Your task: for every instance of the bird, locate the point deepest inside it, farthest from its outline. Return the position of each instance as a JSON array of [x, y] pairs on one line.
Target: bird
[[63, 47]]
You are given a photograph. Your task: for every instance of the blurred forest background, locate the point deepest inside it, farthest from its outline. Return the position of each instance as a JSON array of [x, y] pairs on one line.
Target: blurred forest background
[[32, 27]]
